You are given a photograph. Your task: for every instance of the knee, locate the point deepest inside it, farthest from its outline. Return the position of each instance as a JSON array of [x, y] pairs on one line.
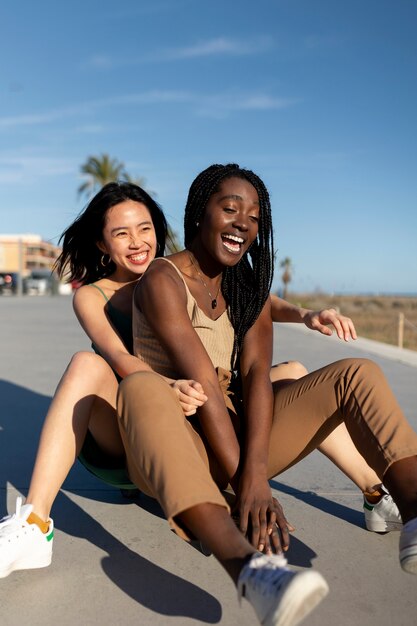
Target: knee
[[143, 399], [290, 370], [365, 369], [370, 370], [140, 383], [142, 390], [88, 364], [84, 360], [296, 369]]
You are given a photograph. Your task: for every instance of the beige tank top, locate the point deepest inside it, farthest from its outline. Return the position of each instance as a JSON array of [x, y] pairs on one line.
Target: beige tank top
[[217, 336]]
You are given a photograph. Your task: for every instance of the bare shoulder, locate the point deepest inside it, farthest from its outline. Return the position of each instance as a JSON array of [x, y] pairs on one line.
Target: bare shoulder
[[161, 281], [160, 272], [87, 295]]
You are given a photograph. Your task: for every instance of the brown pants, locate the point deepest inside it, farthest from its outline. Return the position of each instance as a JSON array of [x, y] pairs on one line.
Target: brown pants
[[167, 459]]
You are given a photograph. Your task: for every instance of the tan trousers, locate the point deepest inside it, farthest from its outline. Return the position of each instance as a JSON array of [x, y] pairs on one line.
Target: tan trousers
[[167, 459]]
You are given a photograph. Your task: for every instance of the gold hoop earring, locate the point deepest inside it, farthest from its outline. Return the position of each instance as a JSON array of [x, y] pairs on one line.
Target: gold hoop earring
[[102, 260]]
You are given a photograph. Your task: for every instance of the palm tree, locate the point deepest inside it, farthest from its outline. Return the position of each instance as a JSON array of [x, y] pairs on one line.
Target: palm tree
[[172, 242], [140, 181], [286, 276], [100, 171]]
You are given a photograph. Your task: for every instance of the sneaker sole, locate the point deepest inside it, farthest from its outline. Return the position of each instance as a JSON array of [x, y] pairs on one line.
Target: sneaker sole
[[42, 561], [304, 592], [383, 527]]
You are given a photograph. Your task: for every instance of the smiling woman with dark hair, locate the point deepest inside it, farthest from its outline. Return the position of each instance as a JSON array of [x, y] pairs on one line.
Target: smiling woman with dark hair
[[108, 247]]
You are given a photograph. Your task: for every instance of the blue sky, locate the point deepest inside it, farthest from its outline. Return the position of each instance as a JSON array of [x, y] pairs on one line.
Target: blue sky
[[318, 97]]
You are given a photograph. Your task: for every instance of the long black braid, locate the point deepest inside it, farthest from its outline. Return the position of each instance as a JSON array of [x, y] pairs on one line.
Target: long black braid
[[245, 286]]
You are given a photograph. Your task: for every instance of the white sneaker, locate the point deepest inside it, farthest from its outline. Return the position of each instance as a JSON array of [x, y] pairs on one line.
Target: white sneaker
[[408, 547], [280, 597], [23, 545], [382, 516]]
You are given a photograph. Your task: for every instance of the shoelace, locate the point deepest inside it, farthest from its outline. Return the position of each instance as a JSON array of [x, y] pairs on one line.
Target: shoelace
[[263, 575], [269, 580]]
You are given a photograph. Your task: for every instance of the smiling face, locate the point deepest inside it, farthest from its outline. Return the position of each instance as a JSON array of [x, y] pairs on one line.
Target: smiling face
[[129, 238], [230, 222]]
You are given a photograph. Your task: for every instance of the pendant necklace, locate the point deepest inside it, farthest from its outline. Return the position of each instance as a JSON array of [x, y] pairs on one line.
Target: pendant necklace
[[213, 300]]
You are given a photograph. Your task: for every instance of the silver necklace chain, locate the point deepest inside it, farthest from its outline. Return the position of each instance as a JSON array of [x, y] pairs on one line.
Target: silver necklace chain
[[213, 300]]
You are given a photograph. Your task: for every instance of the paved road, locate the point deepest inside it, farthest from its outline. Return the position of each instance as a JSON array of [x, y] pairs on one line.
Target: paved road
[[116, 562]]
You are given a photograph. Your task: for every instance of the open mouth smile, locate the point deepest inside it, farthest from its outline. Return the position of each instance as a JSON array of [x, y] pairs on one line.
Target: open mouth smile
[[139, 258], [233, 243]]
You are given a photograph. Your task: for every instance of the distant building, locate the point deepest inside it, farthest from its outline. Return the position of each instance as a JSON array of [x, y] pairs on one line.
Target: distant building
[[24, 253]]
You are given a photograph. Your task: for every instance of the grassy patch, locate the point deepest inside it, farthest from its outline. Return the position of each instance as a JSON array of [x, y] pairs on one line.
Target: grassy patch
[[375, 317]]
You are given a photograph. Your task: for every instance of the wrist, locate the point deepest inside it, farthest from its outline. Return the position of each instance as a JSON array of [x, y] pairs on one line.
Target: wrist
[[255, 468], [305, 314]]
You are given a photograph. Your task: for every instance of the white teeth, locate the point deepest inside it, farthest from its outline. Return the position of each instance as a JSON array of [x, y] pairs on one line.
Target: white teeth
[[234, 238], [138, 257], [231, 247]]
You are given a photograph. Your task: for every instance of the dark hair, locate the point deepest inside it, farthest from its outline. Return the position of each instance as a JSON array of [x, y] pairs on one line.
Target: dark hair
[[245, 286], [80, 253]]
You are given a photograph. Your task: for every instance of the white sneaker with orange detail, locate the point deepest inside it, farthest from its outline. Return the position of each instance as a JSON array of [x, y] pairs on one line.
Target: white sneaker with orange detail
[[23, 545]]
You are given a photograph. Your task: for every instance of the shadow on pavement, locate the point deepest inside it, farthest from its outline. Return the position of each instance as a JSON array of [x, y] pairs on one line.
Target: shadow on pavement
[[146, 583], [159, 590], [21, 420], [323, 504], [23, 412]]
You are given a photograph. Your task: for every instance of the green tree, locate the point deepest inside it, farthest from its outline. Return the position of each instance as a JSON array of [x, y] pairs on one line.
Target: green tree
[[172, 243], [286, 275], [100, 170], [140, 181]]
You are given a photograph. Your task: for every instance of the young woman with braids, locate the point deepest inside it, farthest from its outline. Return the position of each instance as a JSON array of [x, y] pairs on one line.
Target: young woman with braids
[[204, 313]]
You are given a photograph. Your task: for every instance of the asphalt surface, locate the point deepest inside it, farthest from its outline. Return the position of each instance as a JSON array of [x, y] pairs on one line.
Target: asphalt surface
[[116, 561]]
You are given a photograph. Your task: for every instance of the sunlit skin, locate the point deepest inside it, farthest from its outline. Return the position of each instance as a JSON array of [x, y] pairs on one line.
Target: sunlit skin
[[228, 228], [129, 238]]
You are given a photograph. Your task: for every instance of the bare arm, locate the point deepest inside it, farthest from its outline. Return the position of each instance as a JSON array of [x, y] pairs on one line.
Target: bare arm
[[283, 311], [260, 514], [161, 297], [255, 365], [89, 308]]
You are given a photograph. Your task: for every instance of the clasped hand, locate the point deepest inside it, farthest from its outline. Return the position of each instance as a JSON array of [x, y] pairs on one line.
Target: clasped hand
[[190, 394], [260, 516]]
